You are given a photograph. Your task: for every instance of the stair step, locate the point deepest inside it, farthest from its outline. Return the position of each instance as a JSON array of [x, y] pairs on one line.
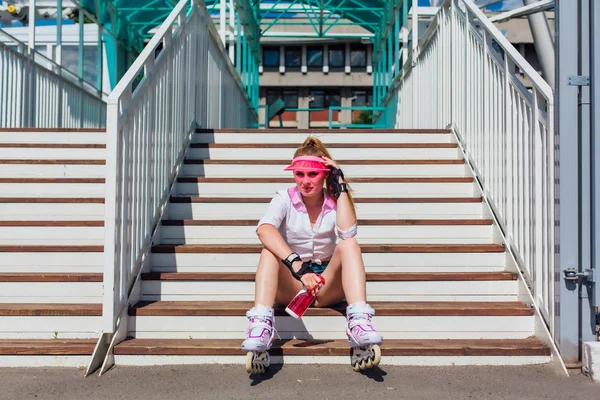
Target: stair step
[[239, 308], [49, 347], [371, 276], [458, 186], [361, 222], [365, 200], [476, 287], [502, 347], [51, 209], [39, 168], [395, 320], [52, 151], [51, 232], [339, 151], [259, 168], [50, 277], [377, 231], [43, 310], [249, 208], [51, 249], [52, 136], [52, 187], [370, 248]]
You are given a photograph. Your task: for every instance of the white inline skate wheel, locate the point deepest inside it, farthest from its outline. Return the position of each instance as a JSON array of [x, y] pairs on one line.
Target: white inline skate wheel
[[249, 359], [376, 355]]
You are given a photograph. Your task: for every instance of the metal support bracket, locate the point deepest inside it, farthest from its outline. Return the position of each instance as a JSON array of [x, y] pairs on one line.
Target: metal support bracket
[[576, 80], [571, 274]]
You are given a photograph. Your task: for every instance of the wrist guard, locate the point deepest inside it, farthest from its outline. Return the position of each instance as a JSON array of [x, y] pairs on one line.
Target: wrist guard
[[334, 181], [305, 269]]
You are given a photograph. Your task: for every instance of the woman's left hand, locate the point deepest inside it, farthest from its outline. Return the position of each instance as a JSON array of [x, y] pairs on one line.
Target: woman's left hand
[[330, 162]]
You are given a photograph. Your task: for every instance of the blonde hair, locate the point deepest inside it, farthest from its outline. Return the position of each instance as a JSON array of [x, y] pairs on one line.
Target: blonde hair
[[314, 147]]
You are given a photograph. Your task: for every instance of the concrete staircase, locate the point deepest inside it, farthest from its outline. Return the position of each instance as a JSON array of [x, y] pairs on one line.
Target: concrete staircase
[[51, 243], [443, 287]]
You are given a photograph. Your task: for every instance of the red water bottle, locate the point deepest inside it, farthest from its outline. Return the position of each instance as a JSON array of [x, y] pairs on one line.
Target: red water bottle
[[301, 301]]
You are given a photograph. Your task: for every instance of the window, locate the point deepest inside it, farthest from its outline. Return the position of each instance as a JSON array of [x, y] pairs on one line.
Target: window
[[318, 99], [293, 57], [358, 57], [336, 57], [359, 97], [325, 98], [271, 57], [314, 57], [289, 97]]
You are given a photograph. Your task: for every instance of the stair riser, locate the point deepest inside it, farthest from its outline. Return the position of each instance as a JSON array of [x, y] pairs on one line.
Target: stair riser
[[51, 262], [435, 234], [351, 171], [363, 210], [377, 291], [51, 292], [51, 211], [54, 137], [334, 360], [27, 153], [412, 189], [374, 262], [298, 138], [52, 189], [42, 235], [52, 171], [338, 154], [334, 327], [45, 361], [80, 327]]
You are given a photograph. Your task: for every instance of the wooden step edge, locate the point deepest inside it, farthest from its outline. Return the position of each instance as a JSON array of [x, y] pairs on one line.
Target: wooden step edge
[[329, 145], [52, 224], [203, 161], [53, 200], [322, 131], [365, 200], [52, 146], [369, 248], [239, 308], [371, 276], [52, 180], [361, 222], [337, 347], [37, 130], [50, 309], [54, 162], [443, 179], [47, 347], [51, 249], [50, 277]]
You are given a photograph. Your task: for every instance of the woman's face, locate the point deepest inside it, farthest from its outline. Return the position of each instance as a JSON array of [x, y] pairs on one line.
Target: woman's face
[[310, 183]]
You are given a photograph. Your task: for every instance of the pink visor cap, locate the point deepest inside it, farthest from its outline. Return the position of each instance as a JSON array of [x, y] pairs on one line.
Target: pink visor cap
[[307, 163]]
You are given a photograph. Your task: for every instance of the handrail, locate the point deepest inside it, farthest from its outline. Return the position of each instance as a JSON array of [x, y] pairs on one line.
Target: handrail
[[43, 61], [463, 75], [150, 123], [36, 92]]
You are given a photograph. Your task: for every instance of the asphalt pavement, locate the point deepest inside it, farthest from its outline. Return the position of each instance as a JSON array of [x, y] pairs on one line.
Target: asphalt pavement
[[298, 382]]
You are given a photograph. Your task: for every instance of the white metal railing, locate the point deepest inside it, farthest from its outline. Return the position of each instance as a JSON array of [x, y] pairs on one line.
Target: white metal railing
[[465, 75], [36, 92], [190, 84]]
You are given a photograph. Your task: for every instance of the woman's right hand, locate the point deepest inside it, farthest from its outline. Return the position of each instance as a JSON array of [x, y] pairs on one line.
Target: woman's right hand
[[312, 282]]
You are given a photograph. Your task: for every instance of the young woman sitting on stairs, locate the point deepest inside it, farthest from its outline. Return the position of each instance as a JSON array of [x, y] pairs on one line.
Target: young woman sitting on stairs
[[299, 232]]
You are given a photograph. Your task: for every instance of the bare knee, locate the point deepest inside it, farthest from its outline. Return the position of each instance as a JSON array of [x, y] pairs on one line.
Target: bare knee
[[350, 244], [268, 259]]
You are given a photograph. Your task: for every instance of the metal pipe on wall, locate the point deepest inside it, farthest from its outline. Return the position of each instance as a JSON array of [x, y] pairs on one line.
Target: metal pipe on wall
[[542, 40]]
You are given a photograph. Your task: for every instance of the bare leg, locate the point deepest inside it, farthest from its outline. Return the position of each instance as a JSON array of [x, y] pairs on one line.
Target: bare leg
[[344, 276], [273, 281]]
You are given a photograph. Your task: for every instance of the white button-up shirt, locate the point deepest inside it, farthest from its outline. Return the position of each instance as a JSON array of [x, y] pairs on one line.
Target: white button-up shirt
[[289, 215]]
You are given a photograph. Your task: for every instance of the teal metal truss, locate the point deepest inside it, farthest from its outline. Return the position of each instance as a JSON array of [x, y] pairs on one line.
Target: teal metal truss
[[130, 22]]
